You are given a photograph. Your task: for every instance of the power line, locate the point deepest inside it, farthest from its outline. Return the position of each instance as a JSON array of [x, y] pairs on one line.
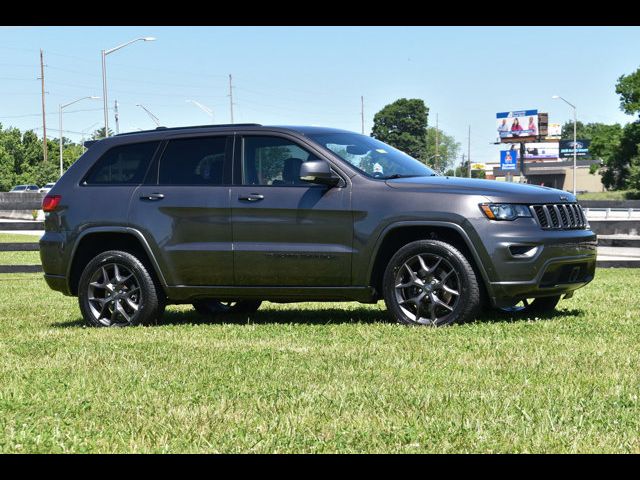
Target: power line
[[38, 114]]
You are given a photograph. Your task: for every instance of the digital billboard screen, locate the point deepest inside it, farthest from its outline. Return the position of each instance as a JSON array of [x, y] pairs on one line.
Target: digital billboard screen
[[518, 123], [541, 150], [582, 148]]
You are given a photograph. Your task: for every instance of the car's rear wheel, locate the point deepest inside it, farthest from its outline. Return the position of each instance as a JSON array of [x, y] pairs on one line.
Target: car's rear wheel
[[117, 290], [214, 307], [429, 282], [536, 305]]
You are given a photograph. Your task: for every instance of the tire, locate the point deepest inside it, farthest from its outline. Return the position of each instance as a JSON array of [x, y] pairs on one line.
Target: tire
[[538, 305], [441, 289], [214, 307], [120, 276]]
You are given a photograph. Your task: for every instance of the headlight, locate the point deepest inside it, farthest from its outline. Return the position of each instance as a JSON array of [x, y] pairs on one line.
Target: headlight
[[505, 211]]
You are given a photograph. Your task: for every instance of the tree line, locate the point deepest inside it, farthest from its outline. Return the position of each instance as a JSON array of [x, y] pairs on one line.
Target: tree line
[[22, 157]]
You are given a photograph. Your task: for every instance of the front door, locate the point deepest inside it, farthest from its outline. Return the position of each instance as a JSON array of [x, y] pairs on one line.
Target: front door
[[184, 210], [287, 232]]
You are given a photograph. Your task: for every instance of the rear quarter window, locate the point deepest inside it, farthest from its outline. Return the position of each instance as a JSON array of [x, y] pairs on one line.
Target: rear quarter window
[[122, 165]]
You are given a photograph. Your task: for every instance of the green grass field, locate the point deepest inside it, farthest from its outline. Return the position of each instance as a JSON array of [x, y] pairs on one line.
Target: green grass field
[[19, 258], [615, 195], [321, 378], [17, 237]]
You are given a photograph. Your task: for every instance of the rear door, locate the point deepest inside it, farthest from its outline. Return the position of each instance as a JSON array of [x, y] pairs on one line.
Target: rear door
[[184, 209], [287, 232]]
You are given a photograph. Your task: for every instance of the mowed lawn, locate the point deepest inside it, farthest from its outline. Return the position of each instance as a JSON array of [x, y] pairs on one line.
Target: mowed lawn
[[321, 378]]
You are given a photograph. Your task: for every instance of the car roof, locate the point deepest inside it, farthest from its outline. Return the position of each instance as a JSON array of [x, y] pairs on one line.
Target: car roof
[[160, 132]]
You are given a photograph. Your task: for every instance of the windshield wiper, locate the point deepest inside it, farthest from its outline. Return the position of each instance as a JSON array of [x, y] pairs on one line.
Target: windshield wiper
[[398, 175]]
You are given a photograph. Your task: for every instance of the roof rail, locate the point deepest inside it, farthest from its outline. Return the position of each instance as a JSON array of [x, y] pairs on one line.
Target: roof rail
[[88, 143], [193, 126]]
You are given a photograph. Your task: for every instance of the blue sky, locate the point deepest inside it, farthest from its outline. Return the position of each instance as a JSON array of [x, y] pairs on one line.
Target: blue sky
[[316, 75]]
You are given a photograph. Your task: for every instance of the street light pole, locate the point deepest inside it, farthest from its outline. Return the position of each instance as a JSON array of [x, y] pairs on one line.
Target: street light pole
[[202, 107], [151, 115], [61, 107], [575, 139], [575, 154], [104, 54], [104, 93]]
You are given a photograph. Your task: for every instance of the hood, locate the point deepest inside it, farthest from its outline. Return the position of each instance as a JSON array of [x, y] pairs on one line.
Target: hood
[[494, 191]]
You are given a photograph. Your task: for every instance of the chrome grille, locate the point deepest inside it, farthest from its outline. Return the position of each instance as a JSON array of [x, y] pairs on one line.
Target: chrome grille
[[560, 216]]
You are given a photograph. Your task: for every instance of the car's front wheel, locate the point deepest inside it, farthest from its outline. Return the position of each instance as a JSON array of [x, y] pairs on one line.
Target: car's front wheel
[[117, 290], [429, 282]]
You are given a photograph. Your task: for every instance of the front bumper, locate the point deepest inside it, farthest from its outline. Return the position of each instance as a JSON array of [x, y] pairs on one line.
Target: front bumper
[[540, 264]]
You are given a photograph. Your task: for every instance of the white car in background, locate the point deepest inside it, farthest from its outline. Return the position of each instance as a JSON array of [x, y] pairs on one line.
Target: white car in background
[[47, 187], [24, 188]]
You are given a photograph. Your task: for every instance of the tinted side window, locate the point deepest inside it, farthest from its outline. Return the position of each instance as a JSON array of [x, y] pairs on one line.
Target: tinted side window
[[272, 161], [193, 161], [123, 165]]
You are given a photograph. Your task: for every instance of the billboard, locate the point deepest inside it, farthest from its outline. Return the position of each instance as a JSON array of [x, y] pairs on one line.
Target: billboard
[[582, 148], [555, 130], [508, 159], [541, 150], [520, 123]]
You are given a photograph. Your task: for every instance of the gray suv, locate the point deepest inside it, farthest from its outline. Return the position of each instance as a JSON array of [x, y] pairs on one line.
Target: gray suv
[[224, 217]]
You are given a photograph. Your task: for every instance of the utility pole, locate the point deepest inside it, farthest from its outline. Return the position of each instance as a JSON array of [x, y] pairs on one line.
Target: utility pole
[[437, 142], [44, 116], [469, 150], [462, 166], [117, 118], [231, 97], [362, 112]]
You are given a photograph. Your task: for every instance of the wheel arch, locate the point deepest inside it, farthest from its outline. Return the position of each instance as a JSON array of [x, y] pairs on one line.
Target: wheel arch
[[396, 235], [94, 241]]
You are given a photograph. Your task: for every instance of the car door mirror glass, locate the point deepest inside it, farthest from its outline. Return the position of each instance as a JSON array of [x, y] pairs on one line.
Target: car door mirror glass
[[318, 171]]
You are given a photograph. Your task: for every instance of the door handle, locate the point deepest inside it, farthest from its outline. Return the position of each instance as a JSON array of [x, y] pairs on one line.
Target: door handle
[[253, 197], [152, 196]]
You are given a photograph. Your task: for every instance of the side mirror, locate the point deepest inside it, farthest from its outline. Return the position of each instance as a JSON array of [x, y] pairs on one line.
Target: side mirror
[[318, 171]]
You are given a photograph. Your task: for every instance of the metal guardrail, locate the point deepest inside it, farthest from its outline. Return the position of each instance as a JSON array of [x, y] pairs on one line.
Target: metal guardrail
[[20, 247], [25, 225], [601, 213]]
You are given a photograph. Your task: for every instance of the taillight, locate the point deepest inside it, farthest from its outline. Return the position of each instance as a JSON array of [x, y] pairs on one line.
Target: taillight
[[50, 202]]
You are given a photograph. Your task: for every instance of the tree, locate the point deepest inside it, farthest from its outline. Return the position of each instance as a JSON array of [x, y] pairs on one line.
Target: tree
[[99, 134], [583, 131], [628, 87], [21, 158], [621, 150], [448, 150], [403, 125]]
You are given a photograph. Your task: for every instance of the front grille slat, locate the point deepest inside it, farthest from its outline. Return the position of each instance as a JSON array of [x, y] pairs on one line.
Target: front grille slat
[[560, 216], [553, 213], [572, 219]]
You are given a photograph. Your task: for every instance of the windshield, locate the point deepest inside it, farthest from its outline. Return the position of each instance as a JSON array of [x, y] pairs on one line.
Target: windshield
[[372, 157]]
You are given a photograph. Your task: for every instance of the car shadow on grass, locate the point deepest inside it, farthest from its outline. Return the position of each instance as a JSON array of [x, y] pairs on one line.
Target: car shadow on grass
[[324, 316], [274, 317], [495, 316]]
